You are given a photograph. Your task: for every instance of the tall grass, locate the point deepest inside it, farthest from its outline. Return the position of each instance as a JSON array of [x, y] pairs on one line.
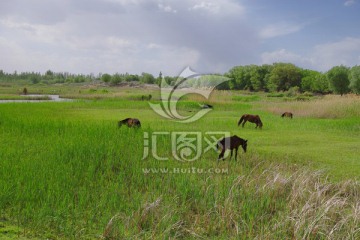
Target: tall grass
[[271, 203], [330, 106]]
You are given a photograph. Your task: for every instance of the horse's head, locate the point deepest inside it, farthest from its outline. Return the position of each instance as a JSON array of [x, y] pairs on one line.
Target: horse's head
[[135, 123], [244, 145]]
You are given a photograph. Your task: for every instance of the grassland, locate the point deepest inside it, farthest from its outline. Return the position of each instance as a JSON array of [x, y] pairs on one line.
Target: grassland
[[68, 172]]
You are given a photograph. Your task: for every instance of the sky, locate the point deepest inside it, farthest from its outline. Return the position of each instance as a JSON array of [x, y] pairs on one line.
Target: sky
[[210, 36]]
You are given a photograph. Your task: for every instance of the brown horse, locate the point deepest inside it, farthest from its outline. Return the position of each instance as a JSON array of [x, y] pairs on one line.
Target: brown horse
[[130, 122], [251, 118], [231, 143], [287, 114]]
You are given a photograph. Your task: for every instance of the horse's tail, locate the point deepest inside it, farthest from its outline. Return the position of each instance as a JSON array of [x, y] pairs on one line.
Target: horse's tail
[[241, 119]]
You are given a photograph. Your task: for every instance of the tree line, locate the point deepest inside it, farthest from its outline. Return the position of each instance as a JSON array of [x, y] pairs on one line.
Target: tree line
[[284, 76], [269, 78]]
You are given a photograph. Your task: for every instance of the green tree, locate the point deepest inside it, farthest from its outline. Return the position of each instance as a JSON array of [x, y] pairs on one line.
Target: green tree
[[147, 78], [308, 80], [79, 79], [284, 76], [240, 77], [49, 75], [131, 77], [159, 79], [355, 79], [339, 79], [106, 77], [258, 76], [34, 78], [321, 84], [170, 80], [116, 79]]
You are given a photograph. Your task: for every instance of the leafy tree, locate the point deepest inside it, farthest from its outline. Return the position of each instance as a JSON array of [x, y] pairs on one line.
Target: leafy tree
[[339, 79], [355, 79], [131, 77], [159, 79], [116, 79], [106, 77], [60, 78], [258, 76], [308, 79], [147, 78], [34, 78], [321, 84], [240, 77], [79, 79], [170, 80], [284, 76]]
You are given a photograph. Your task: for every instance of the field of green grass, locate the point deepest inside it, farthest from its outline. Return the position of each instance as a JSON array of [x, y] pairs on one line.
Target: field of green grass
[[68, 172]]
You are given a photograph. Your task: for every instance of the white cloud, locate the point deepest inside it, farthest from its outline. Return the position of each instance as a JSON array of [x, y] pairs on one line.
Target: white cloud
[[276, 30], [126, 36], [207, 6], [218, 7], [345, 51], [166, 8], [348, 3], [322, 57], [283, 55]]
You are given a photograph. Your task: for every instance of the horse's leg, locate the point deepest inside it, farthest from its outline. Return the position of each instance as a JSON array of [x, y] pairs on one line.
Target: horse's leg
[[236, 150], [221, 154], [244, 122], [231, 153]]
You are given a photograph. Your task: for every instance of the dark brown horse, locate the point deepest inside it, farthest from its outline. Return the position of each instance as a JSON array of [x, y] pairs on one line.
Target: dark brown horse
[[231, 143], [251, 118], [287, 114], [130, 122]]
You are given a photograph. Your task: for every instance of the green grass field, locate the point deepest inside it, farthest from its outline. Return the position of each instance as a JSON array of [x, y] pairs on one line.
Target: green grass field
[[68, 172]]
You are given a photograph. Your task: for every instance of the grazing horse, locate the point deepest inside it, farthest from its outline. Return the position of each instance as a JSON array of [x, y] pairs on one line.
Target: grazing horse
[[130, 122], [231, 143], [251, 118], [205, 106], [287, 114]]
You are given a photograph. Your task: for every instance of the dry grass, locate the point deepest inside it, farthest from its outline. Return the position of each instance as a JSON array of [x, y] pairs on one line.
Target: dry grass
[[330, 106], [293, 205], [323, 209]]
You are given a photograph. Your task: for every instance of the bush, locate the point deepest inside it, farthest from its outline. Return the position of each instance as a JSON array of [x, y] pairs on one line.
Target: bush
[[275, 95], [251, 98]]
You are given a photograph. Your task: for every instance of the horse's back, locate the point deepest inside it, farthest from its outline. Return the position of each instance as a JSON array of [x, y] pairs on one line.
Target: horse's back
[[136, 122], [130, 122]]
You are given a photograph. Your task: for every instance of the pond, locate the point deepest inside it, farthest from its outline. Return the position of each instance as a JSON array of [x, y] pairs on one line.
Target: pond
[[53, 98]]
